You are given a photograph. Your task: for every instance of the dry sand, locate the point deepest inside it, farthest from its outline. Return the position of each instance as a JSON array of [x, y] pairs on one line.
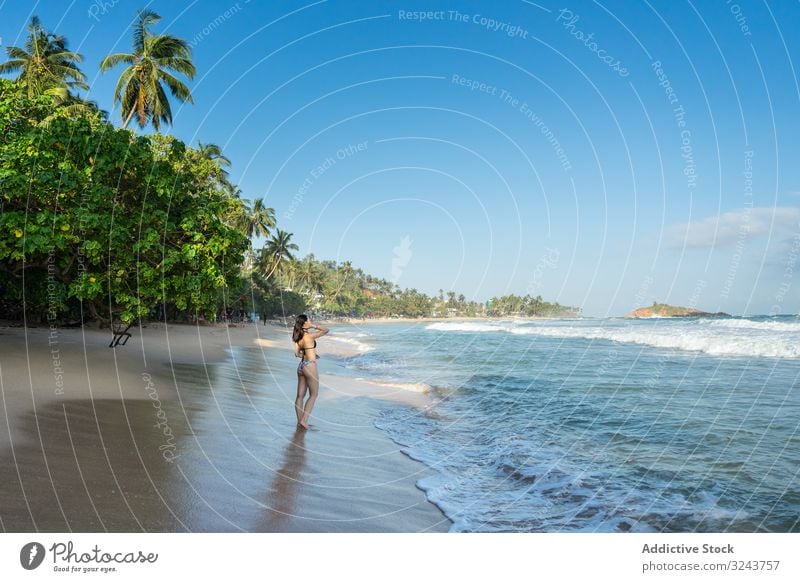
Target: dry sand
[[192, 428]]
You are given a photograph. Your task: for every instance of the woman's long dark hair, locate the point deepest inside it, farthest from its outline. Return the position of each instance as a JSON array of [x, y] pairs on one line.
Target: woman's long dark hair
[[298, 332]]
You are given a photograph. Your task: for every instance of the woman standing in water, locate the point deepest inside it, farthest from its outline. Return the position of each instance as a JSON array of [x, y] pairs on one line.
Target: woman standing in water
[[305, 342]]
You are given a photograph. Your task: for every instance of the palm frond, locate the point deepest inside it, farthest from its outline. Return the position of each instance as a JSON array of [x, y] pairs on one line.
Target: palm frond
[[123, 81], [161, 108], [114, 59], [182, 65], [64, 55], [11, 66], [178, 89], [168, 46], [144, 19], [17, 53]]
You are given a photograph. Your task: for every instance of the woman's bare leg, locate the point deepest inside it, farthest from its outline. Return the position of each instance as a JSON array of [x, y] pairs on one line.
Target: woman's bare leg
[[302, 387], [312, 379]]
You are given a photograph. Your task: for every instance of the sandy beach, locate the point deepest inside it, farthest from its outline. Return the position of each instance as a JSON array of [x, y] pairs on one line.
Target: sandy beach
[[192, 428]]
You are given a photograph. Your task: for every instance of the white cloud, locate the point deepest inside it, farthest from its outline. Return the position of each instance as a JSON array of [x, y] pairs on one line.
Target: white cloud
[[729, 227]]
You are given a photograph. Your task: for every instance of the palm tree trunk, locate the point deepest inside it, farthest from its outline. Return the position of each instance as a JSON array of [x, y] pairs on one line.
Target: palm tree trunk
[[130, 116], [275, 266]]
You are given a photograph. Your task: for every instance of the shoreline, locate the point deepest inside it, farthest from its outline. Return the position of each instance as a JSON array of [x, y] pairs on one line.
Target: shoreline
[[184, 427]]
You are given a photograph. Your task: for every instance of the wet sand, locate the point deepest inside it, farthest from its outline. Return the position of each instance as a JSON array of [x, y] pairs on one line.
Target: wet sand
[[192, 429]]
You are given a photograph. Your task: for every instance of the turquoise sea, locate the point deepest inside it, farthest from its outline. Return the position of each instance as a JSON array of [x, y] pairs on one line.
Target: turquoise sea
[[597, 424]]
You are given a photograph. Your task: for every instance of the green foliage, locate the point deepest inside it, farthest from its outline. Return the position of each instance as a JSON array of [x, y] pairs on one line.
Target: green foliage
[[666, 310], [126, 222], [527, 306], [283, 304], [342, 289]]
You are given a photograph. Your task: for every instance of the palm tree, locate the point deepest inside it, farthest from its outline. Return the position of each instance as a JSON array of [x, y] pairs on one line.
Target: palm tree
[[289, 273], [45, 65], [256, 221], [343, 273], [140, 89], [346, 271], [308, 275], [262, 220], [213, 152], [278, 249]]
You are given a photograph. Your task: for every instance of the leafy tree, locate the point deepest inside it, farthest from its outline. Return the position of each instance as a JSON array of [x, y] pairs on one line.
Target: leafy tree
[[527, 306], [114, 221], [347, 290]]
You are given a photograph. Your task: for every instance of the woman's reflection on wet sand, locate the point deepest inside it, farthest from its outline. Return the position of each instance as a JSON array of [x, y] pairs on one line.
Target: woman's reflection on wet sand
[[282, 497]]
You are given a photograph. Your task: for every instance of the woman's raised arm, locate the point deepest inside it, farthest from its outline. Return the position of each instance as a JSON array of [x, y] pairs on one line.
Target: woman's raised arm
[[320, 330]]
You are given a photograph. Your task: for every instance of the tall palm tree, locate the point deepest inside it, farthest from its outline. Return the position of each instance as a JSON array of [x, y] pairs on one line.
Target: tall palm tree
[[278, 249], [256, 221], [262, 220], [308, 274], [45, 65], [288, 274], [343, 273], [140, 89]]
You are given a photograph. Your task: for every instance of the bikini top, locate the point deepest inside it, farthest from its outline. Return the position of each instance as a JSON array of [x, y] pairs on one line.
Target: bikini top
[[304, 349]]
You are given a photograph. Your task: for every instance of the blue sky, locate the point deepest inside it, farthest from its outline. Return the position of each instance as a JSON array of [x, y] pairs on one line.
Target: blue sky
[[602, 154]]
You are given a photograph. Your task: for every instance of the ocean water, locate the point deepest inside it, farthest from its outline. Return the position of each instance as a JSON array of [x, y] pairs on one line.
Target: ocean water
[[597, 424]]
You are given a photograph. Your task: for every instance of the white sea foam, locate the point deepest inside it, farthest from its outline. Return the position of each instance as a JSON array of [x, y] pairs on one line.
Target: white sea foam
[[419, 387], [474, 326], [750, 324], [689, 338], [351, 342], [352, 333], [724, 337]]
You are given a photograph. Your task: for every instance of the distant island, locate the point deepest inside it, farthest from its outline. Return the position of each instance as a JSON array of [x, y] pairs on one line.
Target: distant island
[[664, 310]]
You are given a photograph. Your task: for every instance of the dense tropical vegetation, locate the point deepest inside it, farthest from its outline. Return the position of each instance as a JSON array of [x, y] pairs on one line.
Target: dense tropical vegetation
[[99, 223], [341, 289]]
